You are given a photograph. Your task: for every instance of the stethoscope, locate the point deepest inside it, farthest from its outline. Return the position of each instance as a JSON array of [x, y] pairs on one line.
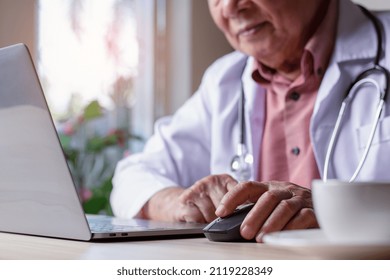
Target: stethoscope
[[242, 162]]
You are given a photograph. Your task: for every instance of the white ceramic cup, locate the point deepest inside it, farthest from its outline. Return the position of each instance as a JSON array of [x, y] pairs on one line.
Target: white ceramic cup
[[353, 213]]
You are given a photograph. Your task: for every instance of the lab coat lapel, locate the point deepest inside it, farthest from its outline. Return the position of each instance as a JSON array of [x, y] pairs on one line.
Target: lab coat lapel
[[354, 51]]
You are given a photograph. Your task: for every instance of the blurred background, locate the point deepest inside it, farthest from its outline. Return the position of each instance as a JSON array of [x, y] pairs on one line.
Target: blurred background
[[158, 49], [110, 68]]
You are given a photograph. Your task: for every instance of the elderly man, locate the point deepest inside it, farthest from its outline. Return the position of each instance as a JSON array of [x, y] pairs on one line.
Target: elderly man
[[294, 63]]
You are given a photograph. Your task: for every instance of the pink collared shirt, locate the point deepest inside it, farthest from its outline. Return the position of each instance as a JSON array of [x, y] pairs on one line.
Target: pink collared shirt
[[286, 152]]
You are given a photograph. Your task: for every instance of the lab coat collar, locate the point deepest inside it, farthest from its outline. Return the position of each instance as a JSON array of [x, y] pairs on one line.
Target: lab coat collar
[[356, 36], [355, 46]]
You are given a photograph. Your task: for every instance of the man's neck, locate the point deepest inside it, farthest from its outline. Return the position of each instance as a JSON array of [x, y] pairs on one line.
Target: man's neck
[[291, 68]]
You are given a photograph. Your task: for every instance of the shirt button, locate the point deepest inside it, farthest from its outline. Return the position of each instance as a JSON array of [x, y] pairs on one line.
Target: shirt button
[[295, 151], [295, 96]]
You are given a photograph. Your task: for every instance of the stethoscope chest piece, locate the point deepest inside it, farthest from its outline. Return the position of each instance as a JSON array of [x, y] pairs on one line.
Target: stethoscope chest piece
[[242, 164]]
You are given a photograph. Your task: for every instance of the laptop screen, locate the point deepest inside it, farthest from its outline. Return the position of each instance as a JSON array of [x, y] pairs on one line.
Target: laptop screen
[[37, 194]]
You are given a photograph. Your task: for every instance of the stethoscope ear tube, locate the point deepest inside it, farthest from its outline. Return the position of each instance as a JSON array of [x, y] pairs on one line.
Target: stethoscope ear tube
[[345, 104], [369, 142], [331, 146]]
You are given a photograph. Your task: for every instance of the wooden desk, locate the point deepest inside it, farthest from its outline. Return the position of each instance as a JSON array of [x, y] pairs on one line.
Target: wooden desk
[[13, 247]]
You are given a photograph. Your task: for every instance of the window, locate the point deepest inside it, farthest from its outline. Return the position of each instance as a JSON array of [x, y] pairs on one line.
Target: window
[[88, 55], [88, 50]]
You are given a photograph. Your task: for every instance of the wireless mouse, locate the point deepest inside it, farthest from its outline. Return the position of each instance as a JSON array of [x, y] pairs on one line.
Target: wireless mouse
[[228, 228]]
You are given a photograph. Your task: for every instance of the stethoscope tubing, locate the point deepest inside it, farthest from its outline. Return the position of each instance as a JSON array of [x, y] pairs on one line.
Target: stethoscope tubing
[[344, 105]]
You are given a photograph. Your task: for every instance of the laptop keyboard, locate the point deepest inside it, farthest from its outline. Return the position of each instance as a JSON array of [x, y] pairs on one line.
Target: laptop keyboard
[[101, 227], [105, 224], [98, 227], [120, 228]]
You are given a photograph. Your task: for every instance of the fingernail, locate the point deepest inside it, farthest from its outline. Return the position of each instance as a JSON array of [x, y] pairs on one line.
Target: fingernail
[[259, 237], [221, 211], [246, 232]]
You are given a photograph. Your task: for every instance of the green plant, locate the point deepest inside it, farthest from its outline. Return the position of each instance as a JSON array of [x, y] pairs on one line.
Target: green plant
[[92, 152]]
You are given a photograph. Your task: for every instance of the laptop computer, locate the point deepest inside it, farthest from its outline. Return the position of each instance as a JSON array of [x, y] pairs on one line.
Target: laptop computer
[[37, 192]]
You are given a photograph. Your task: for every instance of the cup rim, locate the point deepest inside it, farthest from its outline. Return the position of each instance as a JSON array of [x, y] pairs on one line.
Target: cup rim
[[338, 183]]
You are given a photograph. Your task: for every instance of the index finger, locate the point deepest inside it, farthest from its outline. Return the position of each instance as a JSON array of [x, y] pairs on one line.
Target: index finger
[[241, 193], [214, 187]]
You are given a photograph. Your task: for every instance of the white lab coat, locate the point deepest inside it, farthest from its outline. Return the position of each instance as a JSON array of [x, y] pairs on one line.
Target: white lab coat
[[201, 138]]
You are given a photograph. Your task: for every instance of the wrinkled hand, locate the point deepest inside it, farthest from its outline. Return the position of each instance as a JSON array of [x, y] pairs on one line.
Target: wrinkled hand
[[194, 204], [278, 206]]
